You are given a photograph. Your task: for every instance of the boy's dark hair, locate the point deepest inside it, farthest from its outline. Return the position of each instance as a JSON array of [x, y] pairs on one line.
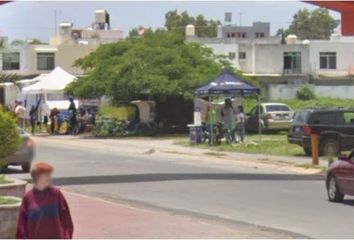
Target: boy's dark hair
[[40, 168]]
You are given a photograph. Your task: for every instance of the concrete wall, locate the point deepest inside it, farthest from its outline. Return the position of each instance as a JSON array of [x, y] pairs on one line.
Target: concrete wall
[[269, 57], [288, 91], [345, 57], [65, 56], [225, 49], [257, 27]]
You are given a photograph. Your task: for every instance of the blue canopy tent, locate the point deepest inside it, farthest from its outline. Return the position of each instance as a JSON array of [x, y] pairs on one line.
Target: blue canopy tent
[[227, 84]]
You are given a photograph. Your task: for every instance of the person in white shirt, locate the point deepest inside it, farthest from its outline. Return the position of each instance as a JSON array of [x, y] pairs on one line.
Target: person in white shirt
[[241, 118], [20, 112]]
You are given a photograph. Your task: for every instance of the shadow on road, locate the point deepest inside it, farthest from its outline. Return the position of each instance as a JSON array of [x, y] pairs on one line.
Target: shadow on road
[[157, 177], [349, 202]]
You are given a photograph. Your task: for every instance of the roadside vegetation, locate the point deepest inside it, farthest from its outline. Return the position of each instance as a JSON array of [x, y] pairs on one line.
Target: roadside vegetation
[[119, 113], [7, 201]]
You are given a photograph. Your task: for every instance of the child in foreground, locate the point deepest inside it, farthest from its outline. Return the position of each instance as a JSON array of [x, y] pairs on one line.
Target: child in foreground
[[44, 212]]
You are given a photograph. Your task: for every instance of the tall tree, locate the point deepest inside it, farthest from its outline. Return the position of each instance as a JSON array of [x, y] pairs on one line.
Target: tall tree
[[316, 24], [159, 64], [203, 27]]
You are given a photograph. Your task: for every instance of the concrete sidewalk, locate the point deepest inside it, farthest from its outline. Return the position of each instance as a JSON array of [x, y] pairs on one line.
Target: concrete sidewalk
[[97, 218]]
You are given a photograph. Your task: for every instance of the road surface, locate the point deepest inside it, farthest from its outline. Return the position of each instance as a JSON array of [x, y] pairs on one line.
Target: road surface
[[223, 191]]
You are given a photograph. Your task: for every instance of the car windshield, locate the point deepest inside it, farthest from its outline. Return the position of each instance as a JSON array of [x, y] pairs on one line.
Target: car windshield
[[277, 108], [301, 117]]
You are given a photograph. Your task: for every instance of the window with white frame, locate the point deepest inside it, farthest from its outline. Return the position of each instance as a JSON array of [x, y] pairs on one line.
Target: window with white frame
[[292, 62], [45, 61], [328, 60], [242, 55], [11, 61]]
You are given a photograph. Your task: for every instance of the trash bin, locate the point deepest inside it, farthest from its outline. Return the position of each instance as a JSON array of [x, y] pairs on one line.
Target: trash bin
[[195, 133]]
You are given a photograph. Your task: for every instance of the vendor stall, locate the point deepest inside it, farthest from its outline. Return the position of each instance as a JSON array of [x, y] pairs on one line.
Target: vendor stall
[[50, 89], [228, 85]]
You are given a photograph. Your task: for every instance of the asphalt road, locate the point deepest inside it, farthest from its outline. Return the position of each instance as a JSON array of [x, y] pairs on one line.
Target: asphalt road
[[222, 191]]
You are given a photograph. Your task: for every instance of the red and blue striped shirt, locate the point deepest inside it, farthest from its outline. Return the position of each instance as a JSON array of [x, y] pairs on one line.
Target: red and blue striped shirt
[[44, 214]]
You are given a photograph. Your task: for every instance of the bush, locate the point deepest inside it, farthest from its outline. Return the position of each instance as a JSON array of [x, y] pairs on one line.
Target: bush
[[9, 135], [305, 93]]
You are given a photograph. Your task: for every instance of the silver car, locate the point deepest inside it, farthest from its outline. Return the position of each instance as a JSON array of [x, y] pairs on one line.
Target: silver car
[[23, 157], [274, 116]]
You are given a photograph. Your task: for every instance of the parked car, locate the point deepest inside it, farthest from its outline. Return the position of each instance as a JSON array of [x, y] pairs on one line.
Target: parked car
[[334, 126], [274, 116], [23, 157], [340, 178]]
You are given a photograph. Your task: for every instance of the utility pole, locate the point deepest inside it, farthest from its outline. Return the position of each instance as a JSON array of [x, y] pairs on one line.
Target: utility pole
[[55, 21]]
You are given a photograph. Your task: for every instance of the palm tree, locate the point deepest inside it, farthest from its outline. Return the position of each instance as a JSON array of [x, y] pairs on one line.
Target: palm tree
[[8, 77]]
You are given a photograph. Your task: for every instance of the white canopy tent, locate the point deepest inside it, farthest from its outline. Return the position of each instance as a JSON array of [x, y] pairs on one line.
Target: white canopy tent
[[49, 91], [54, 82]]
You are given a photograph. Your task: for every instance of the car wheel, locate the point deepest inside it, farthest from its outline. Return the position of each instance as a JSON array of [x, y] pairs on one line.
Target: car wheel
[[26, 167], [308, 151], [334, 195], [330, 147]]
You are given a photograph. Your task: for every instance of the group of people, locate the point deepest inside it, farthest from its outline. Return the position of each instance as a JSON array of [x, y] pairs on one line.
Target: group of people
[[19, 111], [233, 121]]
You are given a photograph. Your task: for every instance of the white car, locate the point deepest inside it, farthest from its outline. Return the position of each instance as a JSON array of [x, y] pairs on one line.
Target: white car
[[273, 116]]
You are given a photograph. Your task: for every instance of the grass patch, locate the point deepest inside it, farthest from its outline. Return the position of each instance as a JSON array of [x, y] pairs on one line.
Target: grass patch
[[272, 144], [3, 180], [7, 201]]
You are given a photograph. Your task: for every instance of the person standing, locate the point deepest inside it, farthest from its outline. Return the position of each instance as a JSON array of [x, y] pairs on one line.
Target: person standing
[[20, 112], [228, 115], [33, 117], [73, 120], [44, 212], [210, 123], [241, 119]]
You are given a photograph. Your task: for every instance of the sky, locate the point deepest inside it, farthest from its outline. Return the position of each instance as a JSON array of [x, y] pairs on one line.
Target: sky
[[27, 19]]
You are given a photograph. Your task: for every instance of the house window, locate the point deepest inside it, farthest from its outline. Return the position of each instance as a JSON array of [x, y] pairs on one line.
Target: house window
[[292, 62], [45, 61], [259, 34], [328, 60], [241, 35], [232, 55], [11, 61], [242, 55]]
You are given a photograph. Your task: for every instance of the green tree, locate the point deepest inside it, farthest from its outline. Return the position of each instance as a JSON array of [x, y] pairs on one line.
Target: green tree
[[33, 41], [159, 64], [203, 27], [10, 139], [316, 24], [18, 42]]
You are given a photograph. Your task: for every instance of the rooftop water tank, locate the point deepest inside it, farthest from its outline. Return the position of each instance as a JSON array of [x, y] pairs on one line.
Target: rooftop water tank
[[190, 30], [291, 39]]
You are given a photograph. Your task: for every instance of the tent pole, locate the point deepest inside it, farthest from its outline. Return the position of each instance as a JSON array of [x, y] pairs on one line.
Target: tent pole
[[259, 118], [211, 121]]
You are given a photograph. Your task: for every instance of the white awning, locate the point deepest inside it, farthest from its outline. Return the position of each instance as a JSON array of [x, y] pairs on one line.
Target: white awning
[[54, 82]]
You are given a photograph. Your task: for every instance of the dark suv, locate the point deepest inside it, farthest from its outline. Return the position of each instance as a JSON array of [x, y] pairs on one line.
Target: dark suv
[[334, 126]]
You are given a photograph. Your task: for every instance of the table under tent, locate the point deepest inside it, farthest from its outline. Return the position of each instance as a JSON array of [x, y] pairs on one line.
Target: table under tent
[[229, 85]]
